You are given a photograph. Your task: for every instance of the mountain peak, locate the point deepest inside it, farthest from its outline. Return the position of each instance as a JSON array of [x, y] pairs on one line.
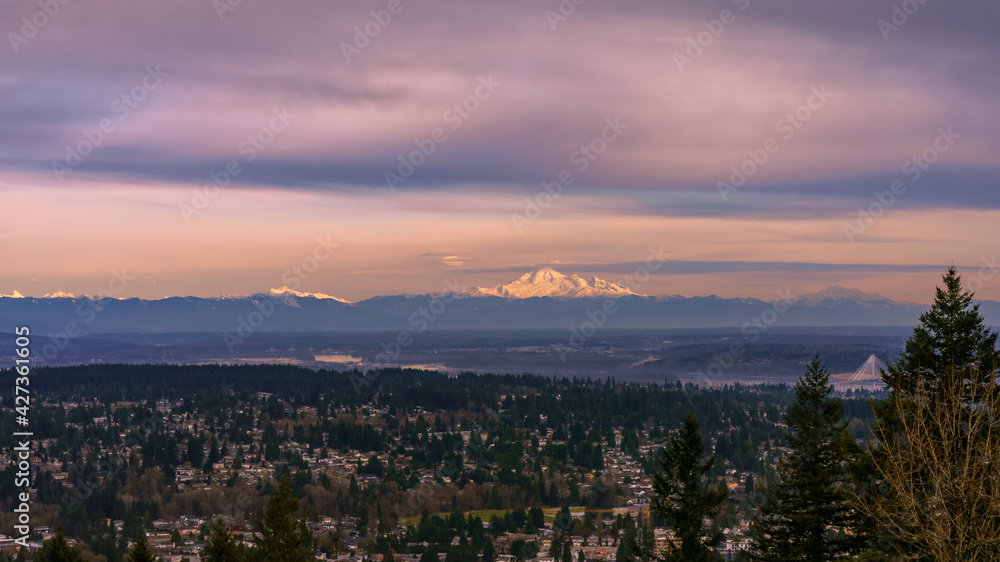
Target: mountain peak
[[547, 282], [543, 275], [286, 291], [59, 295], [14, 295], [837, 292]]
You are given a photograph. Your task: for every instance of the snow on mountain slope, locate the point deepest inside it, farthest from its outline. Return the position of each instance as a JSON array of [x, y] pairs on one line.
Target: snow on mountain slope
[[285, 291], [548, 282], [14, 295]]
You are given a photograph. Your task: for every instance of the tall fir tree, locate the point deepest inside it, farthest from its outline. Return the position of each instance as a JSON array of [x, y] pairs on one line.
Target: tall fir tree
[[280, 536], [140, 551], [489, 553], [221, 546], [951, 337], [56, 549], [930, 477], [626, 546], [682, 498], [429, 555], [808, 501]]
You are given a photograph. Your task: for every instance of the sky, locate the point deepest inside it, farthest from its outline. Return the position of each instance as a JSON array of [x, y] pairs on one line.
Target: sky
[[210, 147]]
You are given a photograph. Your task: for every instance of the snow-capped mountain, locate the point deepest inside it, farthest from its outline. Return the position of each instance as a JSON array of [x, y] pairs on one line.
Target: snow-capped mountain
[[14, 295], [59, 295], [548, 282], [285, 291]]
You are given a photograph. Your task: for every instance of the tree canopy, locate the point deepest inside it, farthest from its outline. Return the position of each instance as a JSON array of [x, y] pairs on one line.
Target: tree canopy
[[808, 501], [682, 498]]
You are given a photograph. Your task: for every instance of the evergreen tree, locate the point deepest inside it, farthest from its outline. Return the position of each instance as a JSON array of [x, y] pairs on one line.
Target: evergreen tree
[[57, 550], [140, 551], [195, 453], [489, 553], [808, 500], [626, 546], [555, 546], [932, 476], [682, 498], [280, 536], [221, 546], [647, 537], [950, 337]]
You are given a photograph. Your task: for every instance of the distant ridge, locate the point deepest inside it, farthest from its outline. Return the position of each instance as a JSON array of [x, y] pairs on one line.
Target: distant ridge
[[837, 293], [544, 299], [544, 282]]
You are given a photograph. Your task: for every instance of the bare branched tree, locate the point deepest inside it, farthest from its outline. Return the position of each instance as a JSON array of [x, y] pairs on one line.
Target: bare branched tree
[[938, 470]]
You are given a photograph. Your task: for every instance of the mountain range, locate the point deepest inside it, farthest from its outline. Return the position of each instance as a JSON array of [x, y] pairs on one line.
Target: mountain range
[[543, 299]]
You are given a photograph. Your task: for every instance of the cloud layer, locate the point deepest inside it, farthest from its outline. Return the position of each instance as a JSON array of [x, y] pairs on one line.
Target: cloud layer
[[804, 110]]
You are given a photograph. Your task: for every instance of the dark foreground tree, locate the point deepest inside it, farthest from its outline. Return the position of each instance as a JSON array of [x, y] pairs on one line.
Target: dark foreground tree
[[429, 555], [808, 503], [221, 546], [626, 546], [140, 551], [936, 476], [57, 550], [280, 536], [682, 497], [951, 337]]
